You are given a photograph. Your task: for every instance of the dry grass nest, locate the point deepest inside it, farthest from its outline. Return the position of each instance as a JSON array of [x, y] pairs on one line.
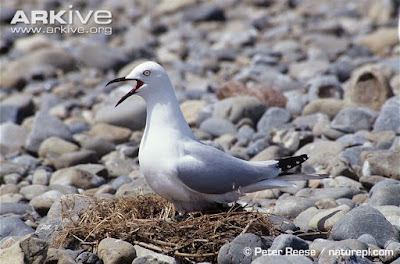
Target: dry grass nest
[[149, 221]]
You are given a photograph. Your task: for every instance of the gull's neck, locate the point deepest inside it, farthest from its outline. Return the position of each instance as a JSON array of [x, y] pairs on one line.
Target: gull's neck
[[164, 117]]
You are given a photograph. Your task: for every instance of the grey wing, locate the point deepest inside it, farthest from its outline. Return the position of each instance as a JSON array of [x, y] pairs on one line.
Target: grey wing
[[208, 170]]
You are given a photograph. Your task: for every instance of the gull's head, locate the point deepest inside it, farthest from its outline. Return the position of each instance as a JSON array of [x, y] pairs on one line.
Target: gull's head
[[147, 77]]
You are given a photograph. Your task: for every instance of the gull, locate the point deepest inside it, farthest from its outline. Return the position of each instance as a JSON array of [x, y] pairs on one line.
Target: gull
[[178, 167]]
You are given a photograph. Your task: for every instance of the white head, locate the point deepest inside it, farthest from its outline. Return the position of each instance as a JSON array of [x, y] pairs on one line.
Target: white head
[[151, 80]]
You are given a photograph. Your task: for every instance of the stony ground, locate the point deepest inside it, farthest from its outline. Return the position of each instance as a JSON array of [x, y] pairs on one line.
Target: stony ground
[[259, 79]]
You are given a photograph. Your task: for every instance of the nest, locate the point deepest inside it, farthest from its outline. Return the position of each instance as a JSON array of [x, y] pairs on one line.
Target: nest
[[150, 222]]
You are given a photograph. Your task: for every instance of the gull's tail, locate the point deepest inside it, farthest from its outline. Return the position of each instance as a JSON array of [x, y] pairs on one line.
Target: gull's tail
[[279, 168], [291, 162]]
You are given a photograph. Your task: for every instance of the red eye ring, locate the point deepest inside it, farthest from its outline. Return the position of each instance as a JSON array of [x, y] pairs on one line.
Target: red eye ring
[[146, 73]]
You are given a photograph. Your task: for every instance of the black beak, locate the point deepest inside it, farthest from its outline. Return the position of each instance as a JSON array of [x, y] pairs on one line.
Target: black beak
[[139, 83]]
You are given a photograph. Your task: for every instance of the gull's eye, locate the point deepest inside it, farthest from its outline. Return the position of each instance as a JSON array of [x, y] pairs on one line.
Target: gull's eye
[[146, 73]]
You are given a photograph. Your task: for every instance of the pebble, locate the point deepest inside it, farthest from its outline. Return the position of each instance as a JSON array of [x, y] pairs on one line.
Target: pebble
[[325, 219], [112, 133], [131, 114], [364, 220], [274, 117], [389, 116], [236, 108], [12, 137], [348, 244], [76, 177], [31, 191], [13, 226], [144, 255], [56, 146], [350, 120], [218, 126], [44, 201], [28, 249], [385, 192], [191, 110], [99, 145], [292, 206], [325, 86], [43, 127], [381, 162], [327, 106], [233, 251], [284, 241], [115, 251]]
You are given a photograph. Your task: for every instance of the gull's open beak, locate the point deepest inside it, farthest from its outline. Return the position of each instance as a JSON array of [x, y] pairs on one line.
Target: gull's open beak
[[139, 83]]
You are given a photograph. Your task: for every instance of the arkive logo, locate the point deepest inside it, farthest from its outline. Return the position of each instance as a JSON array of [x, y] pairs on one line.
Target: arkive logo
[[63, 17]]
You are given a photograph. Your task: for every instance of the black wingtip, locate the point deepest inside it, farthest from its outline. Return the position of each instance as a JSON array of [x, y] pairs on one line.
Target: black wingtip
[[291, 162]]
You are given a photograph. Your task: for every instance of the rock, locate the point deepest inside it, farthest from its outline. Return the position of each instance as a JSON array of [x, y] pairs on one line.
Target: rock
[[233, 251], [45, 126], [99, 56], [11, 167], [367, 239], [110, 133], [56, 146], [43, 202], [325, 86], [13, 226], [191, 110], [381, 162], [353, 155], [386, 192], [319, 194], [8, 113], [350, 120], [308, 122], [23, 105], [12, 137], [395, 248], [389, 116], [117, 167], [144, 255], [324, 221], [96, 169], [9, 188], [18, 209], [131, 114], [349, 244], [306, 70], [218, 126], [283, 259], [391, 213], [115, 251], [74, 158], [270, 153], [295, 101], [88, 258], [350, 140], [274, 117], [381, 40], [284, 241], [28, 249], [367, 87], [330, 44], [57, 255], [303, 219], [364, 220], [320, 152], [41, 62], [292, 206], [327, 106], [98, 145], [204, 13], [31, 191], [236, 108], [76, 177]]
